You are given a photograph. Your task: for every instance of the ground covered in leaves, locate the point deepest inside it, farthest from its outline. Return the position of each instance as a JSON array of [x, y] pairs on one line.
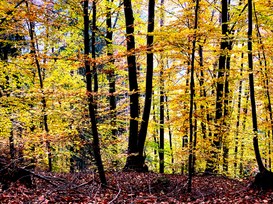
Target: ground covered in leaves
[[129, 187]]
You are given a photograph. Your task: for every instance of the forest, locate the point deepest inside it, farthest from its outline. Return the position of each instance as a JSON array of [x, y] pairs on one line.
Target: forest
[[125, 101]]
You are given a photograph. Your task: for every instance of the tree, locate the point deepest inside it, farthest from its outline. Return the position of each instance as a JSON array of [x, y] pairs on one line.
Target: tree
[[222, 70], [136, 159], [133, 160], [91, 108], [111, 75], [192, 95], [34, 52], [149, 79], [263, 179], [161, 105]]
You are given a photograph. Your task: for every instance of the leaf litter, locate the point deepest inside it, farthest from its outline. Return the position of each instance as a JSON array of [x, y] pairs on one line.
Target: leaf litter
[[135, 188]]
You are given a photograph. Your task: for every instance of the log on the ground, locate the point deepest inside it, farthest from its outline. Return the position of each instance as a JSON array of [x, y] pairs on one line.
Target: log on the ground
[[11, 172]]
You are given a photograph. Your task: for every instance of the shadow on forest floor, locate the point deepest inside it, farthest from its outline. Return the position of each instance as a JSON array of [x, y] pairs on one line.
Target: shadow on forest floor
[[130, 187]]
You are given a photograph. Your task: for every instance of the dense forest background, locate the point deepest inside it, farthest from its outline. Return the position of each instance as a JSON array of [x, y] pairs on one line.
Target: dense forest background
[[138, 85]]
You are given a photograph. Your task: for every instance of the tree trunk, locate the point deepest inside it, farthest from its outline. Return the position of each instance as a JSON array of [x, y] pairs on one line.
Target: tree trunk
[[192, 94], [242, 146], [212, 165], [266, 84], [170, 134], [161, 122], [134, 161], [93, 46], [264, 178], [149, 79], [92, 115], [238, 117], [111, 75], [111, 78], [34, 51]]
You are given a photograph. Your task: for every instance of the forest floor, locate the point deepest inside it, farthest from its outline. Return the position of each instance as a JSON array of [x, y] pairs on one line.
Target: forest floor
[[135, 188]]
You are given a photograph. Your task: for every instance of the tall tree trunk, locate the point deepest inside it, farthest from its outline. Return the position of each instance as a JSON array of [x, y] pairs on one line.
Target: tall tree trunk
[[161, 106], [161, 121], [252, 90], [242, 146], [91, 108], [149, 79], [155, 132], [133, 160], [264, 178], [238, 116], [34, 51], [266, 84], [226, 113], [212, 165], [170, 133], [111, 75], [11, 141], [93, 45], [192, 94], [202, 92]]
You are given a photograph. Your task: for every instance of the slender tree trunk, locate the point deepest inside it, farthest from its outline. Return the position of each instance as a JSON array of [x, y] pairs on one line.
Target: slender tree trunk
[[266, 84], [149, 79], [155, 132], [202, 92], [11, 141], [192, 94], [34, 51], [93, 46], [252, 91], [238, 116], [111, 75], [161, 122], [170, 133], [226, 113], [264, 179], [92, 115], [212, 165], [161, 102], [242, 146]]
